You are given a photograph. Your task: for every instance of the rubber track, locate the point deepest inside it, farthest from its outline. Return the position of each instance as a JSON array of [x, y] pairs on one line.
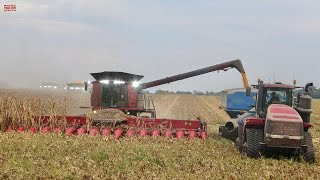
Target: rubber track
[[240, 138], [254, 136], [309, 155]]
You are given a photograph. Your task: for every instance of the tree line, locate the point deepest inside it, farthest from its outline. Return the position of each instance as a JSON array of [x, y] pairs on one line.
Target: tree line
[[205, 93]]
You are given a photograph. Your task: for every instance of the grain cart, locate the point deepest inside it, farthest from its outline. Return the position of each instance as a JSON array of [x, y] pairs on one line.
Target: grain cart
[[236, 102], [277, 123]]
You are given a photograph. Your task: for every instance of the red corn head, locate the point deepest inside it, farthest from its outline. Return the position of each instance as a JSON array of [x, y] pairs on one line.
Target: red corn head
[[45, 129], [20, 129], [167, 133], [9, 129], [130, 132], [70, 130], [203, 135], [94, 132], [118, 133], [179, 134], [106, 132], [57, 130], [155, 133], [143, 132], [82, 131], [192, 134], [33, 130]]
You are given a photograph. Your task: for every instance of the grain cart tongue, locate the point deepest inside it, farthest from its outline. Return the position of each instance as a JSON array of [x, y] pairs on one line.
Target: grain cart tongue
[[121, 108]]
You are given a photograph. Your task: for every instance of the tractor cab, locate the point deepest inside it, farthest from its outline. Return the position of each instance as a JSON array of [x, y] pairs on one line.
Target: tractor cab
[[277, 93]]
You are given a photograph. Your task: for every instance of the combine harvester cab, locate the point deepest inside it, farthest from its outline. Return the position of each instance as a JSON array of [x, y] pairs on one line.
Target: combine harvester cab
[[276, 124]]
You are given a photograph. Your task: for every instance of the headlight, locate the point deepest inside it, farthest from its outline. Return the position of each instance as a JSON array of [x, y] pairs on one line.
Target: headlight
[[135, 83], [104, 81], [118, 82]]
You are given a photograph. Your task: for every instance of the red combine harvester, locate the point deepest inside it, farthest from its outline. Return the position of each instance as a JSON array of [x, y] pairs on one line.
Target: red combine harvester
[[278, 123], [122, 91]]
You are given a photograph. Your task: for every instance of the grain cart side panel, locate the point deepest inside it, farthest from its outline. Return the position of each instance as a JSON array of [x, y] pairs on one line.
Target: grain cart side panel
[[235, 101]]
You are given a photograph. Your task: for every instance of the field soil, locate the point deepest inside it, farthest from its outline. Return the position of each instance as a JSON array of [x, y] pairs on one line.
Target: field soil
[[51, 156]]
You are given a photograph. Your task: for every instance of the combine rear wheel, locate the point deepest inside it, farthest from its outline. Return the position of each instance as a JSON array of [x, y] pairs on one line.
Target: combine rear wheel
[[253, 138], [308, 153]]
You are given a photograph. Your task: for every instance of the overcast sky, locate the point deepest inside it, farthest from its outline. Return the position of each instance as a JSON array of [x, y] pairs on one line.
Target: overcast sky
[[64, 40]]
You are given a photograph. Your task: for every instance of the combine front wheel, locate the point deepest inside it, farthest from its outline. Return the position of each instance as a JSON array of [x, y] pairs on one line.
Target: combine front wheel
[[308, 153], [253, 138]]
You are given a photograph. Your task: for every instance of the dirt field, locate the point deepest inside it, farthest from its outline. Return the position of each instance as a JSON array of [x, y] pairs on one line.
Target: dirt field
[[189, 107], [41, 156]]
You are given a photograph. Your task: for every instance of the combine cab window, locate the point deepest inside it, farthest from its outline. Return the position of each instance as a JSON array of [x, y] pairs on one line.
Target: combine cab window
[[113, 95], [276, 96]]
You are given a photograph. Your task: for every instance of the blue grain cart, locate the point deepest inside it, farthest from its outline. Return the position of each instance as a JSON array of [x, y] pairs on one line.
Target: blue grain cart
[[235, 101]]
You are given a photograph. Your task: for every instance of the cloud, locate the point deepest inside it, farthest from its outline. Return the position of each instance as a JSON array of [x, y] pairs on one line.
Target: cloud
[[50, 26], [65, 40]]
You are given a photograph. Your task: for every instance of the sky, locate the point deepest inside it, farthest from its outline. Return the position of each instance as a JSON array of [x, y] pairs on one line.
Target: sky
[[65, 40]]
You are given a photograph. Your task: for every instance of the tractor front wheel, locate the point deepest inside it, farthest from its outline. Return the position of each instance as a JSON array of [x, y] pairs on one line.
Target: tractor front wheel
[[253, 138], [308, 153]]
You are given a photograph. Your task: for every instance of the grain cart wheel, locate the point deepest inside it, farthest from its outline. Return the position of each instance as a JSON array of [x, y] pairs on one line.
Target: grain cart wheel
[[240, 139], [254, 137], [308, 153]]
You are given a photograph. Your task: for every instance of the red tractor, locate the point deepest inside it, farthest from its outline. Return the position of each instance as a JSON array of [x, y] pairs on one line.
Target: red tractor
[[278, 123]]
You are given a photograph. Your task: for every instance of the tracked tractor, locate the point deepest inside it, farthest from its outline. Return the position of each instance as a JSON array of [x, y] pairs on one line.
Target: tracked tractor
[[277, 123]]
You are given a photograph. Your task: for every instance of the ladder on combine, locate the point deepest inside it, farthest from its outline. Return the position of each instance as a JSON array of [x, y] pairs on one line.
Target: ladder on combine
[[147, 104]]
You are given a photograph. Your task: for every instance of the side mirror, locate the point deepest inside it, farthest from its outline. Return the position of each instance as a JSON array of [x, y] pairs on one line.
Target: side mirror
[[248, 91]]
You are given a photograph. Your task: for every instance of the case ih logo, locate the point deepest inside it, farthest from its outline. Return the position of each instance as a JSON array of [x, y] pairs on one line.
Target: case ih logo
[[9, 7]]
